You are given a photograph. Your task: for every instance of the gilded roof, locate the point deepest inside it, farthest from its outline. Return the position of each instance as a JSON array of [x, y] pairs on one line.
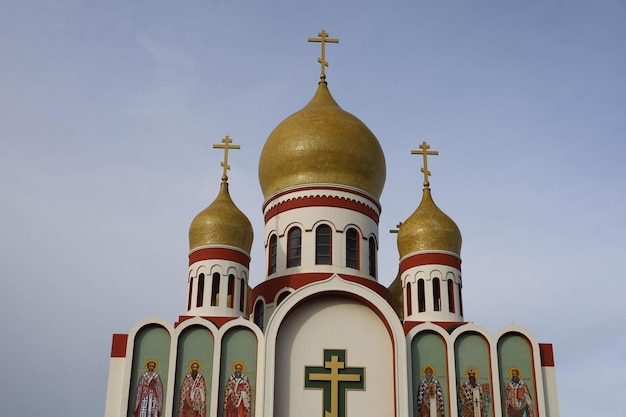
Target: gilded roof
[[322, 144], [428, 228], [221, 223]]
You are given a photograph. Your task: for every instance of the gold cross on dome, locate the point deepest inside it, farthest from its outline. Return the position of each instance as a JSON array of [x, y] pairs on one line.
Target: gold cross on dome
[[226, 146], [425, 151], [323, 38], [396, 230]]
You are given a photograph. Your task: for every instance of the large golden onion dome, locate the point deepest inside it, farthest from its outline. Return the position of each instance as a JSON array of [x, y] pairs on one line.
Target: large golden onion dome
[[221, 223], [428, 229], [322, 144]]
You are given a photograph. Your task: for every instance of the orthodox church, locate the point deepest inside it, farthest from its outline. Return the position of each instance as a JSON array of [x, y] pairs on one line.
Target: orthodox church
[[320, 336]]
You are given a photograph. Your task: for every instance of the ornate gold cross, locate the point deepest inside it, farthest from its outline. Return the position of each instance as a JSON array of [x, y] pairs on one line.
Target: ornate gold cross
[[425, 151], [226, 146], [334, 378], [323, 38]]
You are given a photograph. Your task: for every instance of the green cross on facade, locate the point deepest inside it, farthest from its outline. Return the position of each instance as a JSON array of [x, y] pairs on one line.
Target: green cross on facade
[[334, 378]]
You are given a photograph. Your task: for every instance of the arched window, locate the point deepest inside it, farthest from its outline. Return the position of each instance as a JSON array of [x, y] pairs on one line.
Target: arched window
[[231, 291], [460, 300], [215, 289], [451, 296], [421, 299], [437, 294], [372, 256], [259, 312], [323, 245], [294, 247], [189, 296], [243, 288], [352, 249], [200, 295], [282, 296], [409, 299], [272, 255]]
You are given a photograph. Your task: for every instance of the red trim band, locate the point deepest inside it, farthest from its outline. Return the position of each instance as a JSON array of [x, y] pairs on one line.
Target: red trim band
[[322, 201], [325, 188], [430, 259], [221, 254]]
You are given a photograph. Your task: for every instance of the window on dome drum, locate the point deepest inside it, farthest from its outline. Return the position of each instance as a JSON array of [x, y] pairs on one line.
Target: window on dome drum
[[460, 300], [189, 296], [242, 294], [323, 245], [372, 256], [409, 299], [352, 249], [272, 255], [215, 289], [294, 247], [200, 295], [451, 296], [282, 296], [437, 294], [231, 291], [421, 299], [259, 312]]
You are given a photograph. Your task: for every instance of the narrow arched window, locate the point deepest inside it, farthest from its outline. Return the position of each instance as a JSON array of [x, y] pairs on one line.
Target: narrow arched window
[[259, 312], [352, 249], [243, 288], [437, 294], [215, 289], [189, 296], [231, 291], [372, 257], [272, 255], [294, 247], [282, 296], [200, 295], [421, 298], [409, 299], [460, 299], [323, 245], [451, 296]]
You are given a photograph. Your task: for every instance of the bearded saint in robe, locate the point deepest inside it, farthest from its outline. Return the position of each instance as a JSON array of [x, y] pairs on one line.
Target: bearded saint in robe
[[193, 393], [238, 394]]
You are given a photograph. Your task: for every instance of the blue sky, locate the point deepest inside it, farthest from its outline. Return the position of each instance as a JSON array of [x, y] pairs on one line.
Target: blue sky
[[108, 111]]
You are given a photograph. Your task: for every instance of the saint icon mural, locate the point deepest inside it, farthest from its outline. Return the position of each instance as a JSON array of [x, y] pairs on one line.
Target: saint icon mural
[[238, 393], [430, 395], [193, 393], [517, 399], [149, 397], [472, 399]]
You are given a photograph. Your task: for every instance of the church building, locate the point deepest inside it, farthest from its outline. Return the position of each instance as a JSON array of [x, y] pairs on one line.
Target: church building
[[320, 336]]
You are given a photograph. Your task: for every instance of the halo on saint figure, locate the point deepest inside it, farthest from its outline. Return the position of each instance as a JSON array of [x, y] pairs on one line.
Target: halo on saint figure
[[471, 368], [515, 368], [195, 361], [432, 369], [156, 363], [243, 366]]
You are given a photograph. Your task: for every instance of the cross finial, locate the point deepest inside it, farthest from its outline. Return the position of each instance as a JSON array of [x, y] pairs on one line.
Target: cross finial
[[425, 151], [226, 146], [323, 38], [397, 228]]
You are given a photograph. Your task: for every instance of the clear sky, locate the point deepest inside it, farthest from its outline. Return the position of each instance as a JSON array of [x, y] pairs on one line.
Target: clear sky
[[108, 111]]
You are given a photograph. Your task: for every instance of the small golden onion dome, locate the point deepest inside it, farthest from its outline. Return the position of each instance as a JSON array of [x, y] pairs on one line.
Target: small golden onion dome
[[322, 144], [222, 223], [428, 228]]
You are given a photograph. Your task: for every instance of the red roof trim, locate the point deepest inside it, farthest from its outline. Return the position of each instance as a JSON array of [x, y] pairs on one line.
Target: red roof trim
[[430, 258], [220, 254]]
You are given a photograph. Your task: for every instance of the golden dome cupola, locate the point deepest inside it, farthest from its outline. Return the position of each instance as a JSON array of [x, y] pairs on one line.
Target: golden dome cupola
[[322, 144], [220, 240], [429, 244]]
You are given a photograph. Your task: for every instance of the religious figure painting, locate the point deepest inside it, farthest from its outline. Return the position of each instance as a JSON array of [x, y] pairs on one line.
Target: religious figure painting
[[517, 399], [193, 392], [237, 393], [430, 401], [149, 397], [473, 396]]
